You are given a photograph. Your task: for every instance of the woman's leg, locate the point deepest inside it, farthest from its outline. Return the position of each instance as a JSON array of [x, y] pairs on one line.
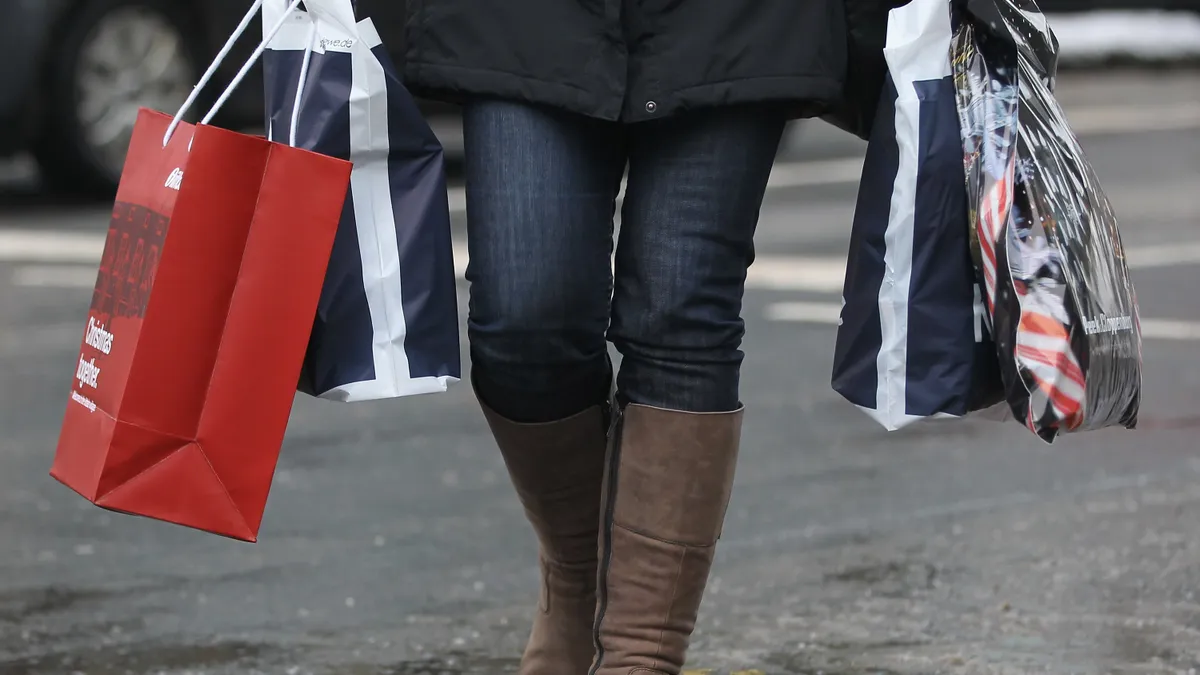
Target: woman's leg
[[696, 186], [541, 188]]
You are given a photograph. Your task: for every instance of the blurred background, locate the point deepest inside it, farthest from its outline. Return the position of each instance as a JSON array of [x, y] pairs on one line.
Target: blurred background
[[393, 544], [67, 105]]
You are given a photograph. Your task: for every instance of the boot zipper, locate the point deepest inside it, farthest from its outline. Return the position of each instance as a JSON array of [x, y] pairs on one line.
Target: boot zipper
[[609, 510]]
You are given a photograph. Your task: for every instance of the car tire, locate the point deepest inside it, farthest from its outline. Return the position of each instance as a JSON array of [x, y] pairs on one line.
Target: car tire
[[75, 153]]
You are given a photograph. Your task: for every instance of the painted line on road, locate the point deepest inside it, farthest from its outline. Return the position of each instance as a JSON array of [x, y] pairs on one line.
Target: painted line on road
[[55, 276], [815, 274], [1118, 119], [826, 274], [1164, 255], [826, 313], [797, 273], [1090, 121], [1170, 329], [18, 245], [784, 175], [37, 245], [830, 314]]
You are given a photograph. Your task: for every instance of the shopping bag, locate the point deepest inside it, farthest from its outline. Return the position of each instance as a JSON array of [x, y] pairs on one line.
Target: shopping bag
[[913, 342], [1058, 288], [387, 323], [210, 275]]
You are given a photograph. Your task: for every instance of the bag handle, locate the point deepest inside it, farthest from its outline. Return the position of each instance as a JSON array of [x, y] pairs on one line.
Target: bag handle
[[241, 75], [308, 52]]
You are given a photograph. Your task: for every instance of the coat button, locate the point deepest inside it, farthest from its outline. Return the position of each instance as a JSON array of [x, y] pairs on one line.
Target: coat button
[[651, 106]]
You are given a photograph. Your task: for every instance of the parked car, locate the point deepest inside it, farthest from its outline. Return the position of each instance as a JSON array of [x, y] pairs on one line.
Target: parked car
[[79, 69]]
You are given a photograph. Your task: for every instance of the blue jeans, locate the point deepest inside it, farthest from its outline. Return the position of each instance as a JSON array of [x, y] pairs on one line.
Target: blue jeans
[[541, 196]]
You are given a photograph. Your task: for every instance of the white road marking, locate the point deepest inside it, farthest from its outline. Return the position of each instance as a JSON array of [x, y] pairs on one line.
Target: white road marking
[[1089, 121], [814, 274], [1164, 255], [784, 175], [55, 276], [1092, 120], [1170, 329], [815, 174], [827, 274], [829, 313], [18, 245], [1121, 119], [797, 273], [805, 312]]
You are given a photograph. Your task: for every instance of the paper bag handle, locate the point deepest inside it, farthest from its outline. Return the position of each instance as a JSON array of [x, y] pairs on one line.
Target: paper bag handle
[[241, 75], [308, 52]]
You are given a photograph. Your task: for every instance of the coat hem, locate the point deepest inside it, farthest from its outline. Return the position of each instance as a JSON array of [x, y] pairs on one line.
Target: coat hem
[[798, 95], [459, 84]]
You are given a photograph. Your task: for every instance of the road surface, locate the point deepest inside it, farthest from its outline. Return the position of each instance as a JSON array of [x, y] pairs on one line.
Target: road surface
[[393, 543]]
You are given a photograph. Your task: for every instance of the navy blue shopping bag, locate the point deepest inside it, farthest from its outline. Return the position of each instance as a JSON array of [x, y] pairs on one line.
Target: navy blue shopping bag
[[914, 340], [387, 324]]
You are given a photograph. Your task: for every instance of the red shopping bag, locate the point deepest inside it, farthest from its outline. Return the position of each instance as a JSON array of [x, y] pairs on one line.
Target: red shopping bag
[[198, 325]]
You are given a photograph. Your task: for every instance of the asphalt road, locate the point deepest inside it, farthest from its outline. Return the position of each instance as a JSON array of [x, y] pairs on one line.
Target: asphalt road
[[393, 543]]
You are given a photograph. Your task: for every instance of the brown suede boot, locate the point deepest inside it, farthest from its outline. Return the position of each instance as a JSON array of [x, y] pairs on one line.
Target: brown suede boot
[[667, 486], [557, 469]]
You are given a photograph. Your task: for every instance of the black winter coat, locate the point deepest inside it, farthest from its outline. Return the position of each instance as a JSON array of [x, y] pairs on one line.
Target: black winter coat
[[866, 69], [629, 60]]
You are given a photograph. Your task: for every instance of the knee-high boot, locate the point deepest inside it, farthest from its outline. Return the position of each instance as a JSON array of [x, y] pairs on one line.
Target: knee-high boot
[[557, 468], [667, 485]]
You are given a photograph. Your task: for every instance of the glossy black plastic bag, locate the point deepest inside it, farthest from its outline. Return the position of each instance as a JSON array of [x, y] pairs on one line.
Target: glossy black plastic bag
[[1063, 308]]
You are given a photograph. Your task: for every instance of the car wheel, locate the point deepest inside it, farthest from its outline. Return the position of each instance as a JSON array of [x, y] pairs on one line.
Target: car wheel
[[114, 57]]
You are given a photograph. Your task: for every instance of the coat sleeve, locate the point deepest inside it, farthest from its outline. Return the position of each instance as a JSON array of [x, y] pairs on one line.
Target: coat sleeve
[[866, 34]]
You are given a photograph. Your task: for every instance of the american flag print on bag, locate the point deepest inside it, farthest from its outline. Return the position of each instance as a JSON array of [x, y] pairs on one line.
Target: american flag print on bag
[[1058, 292]]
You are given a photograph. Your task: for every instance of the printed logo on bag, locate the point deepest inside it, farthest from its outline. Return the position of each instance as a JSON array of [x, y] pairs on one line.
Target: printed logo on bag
[[83, 401], [175, 179], [327, 44], [97, 337], [130, 261], [87, 373], [1107, 324]]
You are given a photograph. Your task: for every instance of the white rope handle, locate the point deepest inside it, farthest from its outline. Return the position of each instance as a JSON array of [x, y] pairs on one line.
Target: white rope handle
[[308, 52], [212, 68]]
